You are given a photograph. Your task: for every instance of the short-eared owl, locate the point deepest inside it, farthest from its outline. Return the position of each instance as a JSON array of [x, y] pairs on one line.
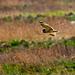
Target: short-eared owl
[[48, 29]]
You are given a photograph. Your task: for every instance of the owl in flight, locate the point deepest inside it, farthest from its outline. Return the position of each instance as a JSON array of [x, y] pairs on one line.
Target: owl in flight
[[48, 29]]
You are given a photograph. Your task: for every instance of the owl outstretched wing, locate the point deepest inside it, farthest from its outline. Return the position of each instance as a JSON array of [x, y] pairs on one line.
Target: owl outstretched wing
[[46, 26]]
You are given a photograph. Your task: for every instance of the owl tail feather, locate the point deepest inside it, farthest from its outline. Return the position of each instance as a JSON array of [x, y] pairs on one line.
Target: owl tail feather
[[55, 31]]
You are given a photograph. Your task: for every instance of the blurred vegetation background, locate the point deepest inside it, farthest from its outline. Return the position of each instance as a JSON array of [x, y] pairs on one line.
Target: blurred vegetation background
[[24, 49]]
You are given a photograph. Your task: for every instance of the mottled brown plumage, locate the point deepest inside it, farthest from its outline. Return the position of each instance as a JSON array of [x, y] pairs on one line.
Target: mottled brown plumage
[[48, 29]]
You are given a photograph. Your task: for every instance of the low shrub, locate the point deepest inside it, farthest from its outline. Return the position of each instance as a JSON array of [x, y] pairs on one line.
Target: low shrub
[[14, 42], [7, 18]]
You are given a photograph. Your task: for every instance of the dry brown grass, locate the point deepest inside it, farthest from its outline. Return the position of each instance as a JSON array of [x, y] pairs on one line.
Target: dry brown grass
[[32, 31], [21, 2], [19, 30], [11, 13], [57, 52], [29, 57], [35, 6]]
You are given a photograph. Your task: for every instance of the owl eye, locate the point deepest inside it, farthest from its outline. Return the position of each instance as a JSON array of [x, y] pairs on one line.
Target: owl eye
[[44, 30]]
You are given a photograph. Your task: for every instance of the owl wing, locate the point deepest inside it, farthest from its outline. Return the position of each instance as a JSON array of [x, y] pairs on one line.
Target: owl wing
[[46, 26], [53, 34]]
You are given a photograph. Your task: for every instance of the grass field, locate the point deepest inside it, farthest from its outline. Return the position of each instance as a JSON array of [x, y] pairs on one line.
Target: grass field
[[24, 49]]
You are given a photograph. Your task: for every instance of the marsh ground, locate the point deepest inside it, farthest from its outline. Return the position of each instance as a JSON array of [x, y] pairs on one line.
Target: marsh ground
[[20, 21]]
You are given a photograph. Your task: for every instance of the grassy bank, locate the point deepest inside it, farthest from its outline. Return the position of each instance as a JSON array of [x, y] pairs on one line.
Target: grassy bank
[[33, 45], [53, 68], [31, 17]]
